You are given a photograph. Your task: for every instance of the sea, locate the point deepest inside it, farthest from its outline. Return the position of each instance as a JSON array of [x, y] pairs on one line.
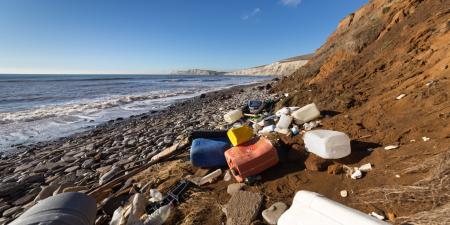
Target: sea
[[36, 108]]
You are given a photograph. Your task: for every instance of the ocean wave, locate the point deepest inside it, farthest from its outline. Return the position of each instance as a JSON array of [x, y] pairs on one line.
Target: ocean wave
[[82, 109]]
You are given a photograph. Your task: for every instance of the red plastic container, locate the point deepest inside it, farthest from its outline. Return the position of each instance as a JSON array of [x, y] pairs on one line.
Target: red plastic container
[[251, 158]]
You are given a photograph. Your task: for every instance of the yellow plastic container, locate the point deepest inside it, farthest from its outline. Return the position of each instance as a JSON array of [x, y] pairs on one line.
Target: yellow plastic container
[[240, 135]]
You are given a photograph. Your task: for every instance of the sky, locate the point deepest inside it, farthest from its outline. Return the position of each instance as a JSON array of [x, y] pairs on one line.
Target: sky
[[159, 36]]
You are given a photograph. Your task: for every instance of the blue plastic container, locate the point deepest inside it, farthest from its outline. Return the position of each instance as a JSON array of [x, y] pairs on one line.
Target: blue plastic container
[[209, 152]]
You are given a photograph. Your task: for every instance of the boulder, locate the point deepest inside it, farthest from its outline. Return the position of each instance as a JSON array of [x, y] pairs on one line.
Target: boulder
[[243, 207], [234, 188], [10, 188], [33, 178]]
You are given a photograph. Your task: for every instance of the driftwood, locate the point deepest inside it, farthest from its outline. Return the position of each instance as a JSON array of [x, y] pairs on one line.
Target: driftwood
[[160, 157]]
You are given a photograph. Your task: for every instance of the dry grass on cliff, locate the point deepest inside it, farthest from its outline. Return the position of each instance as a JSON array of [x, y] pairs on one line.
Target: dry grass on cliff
[[428, 199]]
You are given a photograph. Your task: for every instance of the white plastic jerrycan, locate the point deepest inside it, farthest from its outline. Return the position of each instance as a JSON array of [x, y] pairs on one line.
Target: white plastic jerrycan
[[233, 116], [327, 144], [284, 122], [310, 208], [306, 113]]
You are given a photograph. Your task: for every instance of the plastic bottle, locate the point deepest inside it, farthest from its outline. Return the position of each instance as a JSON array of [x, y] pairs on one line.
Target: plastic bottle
[[284, 122], [159, 216], [210, 177], [327, 144], [306, 114], [233, 116]]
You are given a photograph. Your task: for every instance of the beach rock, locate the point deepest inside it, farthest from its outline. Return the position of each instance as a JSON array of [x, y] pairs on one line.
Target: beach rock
[[40, 168], [273, 213], [104, 169], [55, 165], [25, 199], [33, 178], [315, 163], [68, 159], [110, 175], [23, 167], [88, 163], [79, 155], [4, 220], [45, 193], [3, 207], [9, 188], [12, 178], [61, 187], [71, 169], [243, 207], [75, 189], [11, 211], [234, 188]]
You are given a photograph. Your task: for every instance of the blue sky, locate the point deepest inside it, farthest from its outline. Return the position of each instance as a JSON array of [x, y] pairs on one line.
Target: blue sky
[[158, 36]]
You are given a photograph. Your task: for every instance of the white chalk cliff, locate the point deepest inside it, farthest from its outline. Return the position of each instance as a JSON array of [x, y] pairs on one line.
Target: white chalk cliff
[[280, 68]]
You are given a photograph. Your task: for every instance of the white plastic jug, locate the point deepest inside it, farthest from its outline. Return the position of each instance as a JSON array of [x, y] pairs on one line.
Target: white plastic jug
[[233, 116], [327, 144], [306, 114], [284, 122], [309, 208]]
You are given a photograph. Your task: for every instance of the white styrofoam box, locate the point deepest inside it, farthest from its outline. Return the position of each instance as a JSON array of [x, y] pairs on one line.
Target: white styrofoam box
[[310, 208], [327, 144]]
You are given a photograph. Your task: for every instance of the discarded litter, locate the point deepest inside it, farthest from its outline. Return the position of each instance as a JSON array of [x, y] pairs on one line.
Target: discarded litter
[[251, 180], [233, 116], [376, 215], [159, 216], [173, 196], [240, 135], [251, 158], [227, 176], [400, 96], [209, 178], [306, 113], [72, 208], [209, 152], [283, 111], [425, 138], [284, 122], [311, 125], [309, 208], [390, 147], [268, 129], [344, 193], [295, 130], [255, 106], [356, 174], [155, 195], [137, 209], [366, 167], [327, 144]]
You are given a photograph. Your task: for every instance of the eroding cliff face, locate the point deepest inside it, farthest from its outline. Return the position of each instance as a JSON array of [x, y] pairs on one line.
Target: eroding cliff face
[[275, 69], [386, 49]]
